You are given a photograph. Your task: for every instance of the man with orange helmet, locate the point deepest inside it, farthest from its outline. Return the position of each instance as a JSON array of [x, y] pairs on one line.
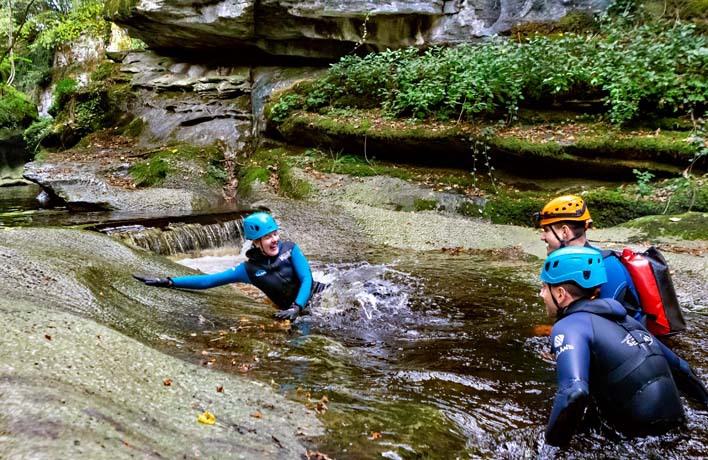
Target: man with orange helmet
[[564, 221]]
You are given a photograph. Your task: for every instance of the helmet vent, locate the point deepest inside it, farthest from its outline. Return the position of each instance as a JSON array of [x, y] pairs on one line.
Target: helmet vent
[[586, 274], [555, 264], [548, 265], [589, 261]]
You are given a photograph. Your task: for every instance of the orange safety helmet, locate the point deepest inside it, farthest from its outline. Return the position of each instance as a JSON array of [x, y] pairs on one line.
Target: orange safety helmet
[[562, 209]]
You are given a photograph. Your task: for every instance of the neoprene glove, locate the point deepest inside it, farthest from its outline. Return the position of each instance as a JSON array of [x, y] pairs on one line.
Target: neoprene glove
[[291, 313], [153, 281]]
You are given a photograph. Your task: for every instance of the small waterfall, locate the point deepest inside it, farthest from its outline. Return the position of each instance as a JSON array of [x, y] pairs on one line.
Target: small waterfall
[[179, 238]]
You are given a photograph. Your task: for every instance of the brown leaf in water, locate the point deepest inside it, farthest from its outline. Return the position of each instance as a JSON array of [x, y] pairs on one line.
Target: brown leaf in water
[[542, 330], [220, 389], [312, 455], [167, 382]]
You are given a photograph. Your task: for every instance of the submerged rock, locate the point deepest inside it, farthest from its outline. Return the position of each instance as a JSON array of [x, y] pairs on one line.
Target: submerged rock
[[81, 374]]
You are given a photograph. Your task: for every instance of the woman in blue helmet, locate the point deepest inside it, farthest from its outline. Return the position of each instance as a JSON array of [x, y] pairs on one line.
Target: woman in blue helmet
[[603, 353], [278, 268]]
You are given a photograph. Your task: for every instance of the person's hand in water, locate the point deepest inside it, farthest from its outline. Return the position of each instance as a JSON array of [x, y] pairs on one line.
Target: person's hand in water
[[153, 281], [291, 313]]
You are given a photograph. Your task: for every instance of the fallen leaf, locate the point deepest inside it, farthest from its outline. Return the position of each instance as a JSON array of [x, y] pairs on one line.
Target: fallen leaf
[[220, 389], [167, 382], [207, 418], [47, 336], [675, 219], [375, 435], [312, 455], [257, 414], [542, 330]]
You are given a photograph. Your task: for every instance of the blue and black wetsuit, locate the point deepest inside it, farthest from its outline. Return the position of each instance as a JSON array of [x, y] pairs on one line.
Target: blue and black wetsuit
[[603, 353], [285, 278]]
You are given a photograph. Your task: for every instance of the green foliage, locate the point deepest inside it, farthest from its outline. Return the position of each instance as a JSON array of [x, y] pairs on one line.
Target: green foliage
[[636, 69], [644, 182], [104, 71], [16, 110], [260, 166], [64, 90], [36, 132], [421, 204], [84, 20]]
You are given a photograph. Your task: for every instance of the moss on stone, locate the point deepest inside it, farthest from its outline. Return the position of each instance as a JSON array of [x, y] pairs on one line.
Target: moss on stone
[[275, 161], [513, 208], [134, 128], [573, 22], [199, 161], [421, 204], [16, 110], [119, 9], [688, 226]]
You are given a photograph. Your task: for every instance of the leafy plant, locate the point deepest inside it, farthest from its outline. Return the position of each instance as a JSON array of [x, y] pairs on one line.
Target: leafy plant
[[16, 110], [644, 182]]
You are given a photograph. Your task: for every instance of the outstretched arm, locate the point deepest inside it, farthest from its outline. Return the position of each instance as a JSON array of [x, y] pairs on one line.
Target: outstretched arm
[[686, 380], [235, 274], [572, 349], [304, 274]]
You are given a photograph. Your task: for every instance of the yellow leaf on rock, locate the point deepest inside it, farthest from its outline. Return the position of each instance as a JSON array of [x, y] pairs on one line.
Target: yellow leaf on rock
[[207, 418]]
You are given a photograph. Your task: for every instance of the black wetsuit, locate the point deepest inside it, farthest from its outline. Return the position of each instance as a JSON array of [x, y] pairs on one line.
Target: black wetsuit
[[603, 353]]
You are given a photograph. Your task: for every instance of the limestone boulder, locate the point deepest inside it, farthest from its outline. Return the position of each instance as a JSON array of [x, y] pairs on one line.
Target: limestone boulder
[[324, 29]]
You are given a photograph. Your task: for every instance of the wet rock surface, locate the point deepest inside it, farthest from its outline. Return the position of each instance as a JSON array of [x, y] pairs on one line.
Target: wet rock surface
[[79, 375]]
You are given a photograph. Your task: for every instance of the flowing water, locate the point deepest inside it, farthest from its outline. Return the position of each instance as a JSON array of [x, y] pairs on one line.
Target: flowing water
[[435, 355], [413, 354]]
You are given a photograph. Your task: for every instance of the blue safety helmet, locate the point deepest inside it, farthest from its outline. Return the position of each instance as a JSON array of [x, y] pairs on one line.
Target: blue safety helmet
[[582, 265], [258, 225]]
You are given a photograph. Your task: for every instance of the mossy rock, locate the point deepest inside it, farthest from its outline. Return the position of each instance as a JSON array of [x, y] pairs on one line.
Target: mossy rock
[[687, 226], [203, 164], [276, 161], [16, 109]]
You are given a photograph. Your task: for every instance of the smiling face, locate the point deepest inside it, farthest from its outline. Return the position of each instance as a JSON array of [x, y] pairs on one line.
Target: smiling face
[[562, 232], [268, 244]]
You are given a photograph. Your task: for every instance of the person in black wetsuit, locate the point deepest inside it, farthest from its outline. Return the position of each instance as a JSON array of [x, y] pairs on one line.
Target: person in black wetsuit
[[603, 354], [278, 268]]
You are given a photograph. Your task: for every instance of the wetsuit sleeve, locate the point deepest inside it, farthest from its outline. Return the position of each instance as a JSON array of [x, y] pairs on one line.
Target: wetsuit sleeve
[[571, 345], [235, 274], [302, 270], [686, 380]]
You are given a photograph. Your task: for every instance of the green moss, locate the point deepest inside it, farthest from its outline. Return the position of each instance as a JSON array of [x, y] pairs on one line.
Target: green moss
[[64, 90], [134, 128], [613, 207], [470, 209], [36, 132], [421, 204], [170, 161], [513, 208], [278, 162], [151, 172], [119, 9], [248, 176], [527, 147], [688, 226], [104, 71], [16, 110], [668, 146]]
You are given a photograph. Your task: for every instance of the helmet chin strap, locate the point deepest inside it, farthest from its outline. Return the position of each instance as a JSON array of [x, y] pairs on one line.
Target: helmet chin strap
[[555, 302], [564, 243]]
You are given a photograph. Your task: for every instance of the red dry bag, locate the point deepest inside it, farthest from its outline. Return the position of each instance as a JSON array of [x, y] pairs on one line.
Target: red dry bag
[[651, 278]]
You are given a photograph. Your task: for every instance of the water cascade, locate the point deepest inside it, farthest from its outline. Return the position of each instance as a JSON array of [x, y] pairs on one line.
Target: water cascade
[[179, 237]]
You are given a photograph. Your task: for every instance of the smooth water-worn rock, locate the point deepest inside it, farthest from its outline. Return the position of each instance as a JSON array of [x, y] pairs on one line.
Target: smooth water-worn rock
[[326, 29], [82, 186], [81, 374]]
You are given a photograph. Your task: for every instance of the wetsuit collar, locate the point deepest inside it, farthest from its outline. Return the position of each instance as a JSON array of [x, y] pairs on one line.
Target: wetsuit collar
[[609, 308], [255, 255]]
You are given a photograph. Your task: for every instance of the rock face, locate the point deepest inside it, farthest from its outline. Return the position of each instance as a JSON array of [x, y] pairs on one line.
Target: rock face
[[87, 370], [203, 103], [325, 29], [193, 103], [82, 186]]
